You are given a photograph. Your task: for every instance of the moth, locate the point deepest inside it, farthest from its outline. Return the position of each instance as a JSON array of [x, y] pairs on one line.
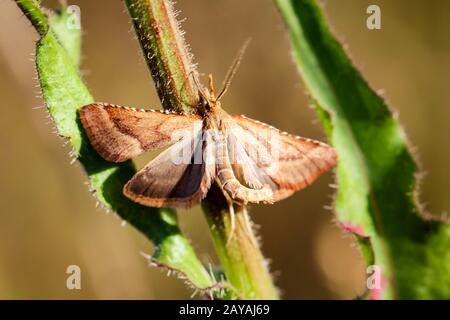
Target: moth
[[251, 161]]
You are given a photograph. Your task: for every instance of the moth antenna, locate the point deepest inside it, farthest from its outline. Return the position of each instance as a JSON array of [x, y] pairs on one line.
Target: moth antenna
[[211, 86], [199, 87], [232, 70]]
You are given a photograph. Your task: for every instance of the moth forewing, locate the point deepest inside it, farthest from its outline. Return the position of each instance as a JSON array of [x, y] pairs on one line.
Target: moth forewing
[[189, 138], [182, 151], [164, 183], [268, 152], [244, 167], [291, 162], [209, 149], [227, 176], [121, 133]]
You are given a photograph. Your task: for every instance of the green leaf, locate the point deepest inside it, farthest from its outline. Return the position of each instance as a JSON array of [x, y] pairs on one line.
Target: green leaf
[[66, 26], [376, 196], [57, 59]]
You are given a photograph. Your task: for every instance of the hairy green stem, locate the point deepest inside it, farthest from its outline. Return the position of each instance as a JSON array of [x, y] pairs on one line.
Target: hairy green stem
[[243, 263], [34, 13], [172, 70], [165, 53]]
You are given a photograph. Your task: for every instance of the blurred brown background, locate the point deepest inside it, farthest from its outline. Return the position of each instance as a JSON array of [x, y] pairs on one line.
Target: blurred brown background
[[48, 218]]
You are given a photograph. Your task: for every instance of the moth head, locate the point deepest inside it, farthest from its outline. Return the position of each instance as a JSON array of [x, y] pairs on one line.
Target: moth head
[[210, 101]]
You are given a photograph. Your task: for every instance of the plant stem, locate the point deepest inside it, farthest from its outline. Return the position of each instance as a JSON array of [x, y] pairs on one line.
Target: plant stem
[[171, 68], [33, 12], [165, 53], [242, 260]]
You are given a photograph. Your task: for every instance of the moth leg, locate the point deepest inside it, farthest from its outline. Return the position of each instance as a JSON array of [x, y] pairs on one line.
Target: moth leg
[[230, 203], [242, 194], [233, 222], [248, 225], [247, 222]]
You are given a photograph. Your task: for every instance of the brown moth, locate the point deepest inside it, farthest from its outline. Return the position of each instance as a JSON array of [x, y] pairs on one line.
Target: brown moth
[[251, 161], [238, 153]]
